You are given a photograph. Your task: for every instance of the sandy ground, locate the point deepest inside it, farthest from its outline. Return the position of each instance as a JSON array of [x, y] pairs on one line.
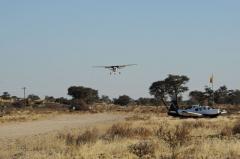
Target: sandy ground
[[16, 130]]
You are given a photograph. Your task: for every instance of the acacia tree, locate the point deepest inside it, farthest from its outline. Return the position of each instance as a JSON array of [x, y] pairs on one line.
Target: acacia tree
[[83, 95], [159, 91], [62, 100], [105, 99], [172, 86], [6, 95], [209, 93], [33, 97], [176, 85], [123, 100], [198, 97], [221, 95], [50, 99], [225, 96], [234, 97]]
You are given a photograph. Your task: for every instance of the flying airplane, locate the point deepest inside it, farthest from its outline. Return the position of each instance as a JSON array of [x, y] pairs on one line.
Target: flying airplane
[[114, 68], [195, 111]]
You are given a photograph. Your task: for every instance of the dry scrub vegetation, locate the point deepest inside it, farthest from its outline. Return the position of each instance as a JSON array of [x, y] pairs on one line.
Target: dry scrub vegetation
[[140, 136], [26, 115], [31, 114]]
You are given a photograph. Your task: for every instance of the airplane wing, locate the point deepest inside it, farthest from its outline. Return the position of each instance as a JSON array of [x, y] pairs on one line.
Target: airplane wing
[[223, 112], [107, 67], [116, 66], [122, 66], [190, 114]]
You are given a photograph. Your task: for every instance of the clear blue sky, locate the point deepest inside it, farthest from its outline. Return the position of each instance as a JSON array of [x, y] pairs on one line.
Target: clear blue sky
[[48, 46]]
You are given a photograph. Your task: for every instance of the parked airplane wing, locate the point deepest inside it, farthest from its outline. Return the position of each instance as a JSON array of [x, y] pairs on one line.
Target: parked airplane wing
[[186, 113], [224, 112]]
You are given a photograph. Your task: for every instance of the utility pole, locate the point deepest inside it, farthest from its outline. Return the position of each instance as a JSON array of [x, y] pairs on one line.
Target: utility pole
[[213, 94], [24, 96], [212, 82]]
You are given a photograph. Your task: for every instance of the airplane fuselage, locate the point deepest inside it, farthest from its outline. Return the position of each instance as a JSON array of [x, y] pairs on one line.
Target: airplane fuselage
[[114, 68], [196, 111]]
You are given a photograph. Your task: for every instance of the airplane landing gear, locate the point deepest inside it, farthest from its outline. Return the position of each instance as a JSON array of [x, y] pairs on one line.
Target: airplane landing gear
[[115, 73]]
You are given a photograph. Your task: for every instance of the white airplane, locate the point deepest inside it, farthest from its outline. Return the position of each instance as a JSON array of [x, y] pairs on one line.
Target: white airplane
[[195, 111], [114, 69]]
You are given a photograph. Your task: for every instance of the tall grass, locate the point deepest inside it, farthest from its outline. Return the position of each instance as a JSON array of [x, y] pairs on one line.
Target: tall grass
[[145, 137]]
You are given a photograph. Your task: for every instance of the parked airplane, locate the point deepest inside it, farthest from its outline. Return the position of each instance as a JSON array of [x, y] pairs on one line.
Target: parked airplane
[[195, 111], [114, 69]]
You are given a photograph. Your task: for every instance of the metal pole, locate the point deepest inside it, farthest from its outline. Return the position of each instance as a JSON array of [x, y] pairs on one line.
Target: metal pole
[[24, 96], [213, 94], [213, 90]]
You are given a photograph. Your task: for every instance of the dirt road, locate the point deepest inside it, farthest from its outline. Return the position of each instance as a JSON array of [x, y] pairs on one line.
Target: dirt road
[[15, 130]]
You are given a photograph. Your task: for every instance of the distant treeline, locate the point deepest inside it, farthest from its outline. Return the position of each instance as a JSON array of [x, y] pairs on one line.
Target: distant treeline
[[163, 92]]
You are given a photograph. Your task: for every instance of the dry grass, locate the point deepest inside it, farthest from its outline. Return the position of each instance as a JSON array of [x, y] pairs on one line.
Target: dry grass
[[137, 117], [126, 130], [87, 137], [142, 149], [26, 115], [236, 127], [143, 136], [102, 107], [233, 109], [226, 132]]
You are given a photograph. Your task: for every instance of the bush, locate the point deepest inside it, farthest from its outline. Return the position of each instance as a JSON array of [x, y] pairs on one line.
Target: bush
[[161, 131], [142, 149], [87, 95], [174, 138], [125, 131], [142, 132], [123, 100], [195, 124], [236, 128], [89, 136], [226, 132], [70, 140], [119, 131], [148, 102], [79, 105], [138, 117]]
